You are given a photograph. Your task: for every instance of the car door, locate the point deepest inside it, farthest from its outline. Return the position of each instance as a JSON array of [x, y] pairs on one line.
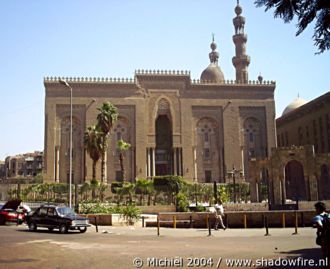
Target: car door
[[52, 218], [39, 216]]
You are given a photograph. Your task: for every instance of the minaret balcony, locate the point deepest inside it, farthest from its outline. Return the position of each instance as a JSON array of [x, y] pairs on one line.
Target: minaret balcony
[[240, 38], [241, 59]]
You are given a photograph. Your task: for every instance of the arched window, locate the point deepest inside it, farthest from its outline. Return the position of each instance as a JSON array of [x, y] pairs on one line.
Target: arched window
[[252, 138], [207, 150]]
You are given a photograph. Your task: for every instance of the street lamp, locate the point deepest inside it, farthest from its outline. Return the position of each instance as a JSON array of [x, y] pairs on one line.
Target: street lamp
[[65, 83], [233, 174]]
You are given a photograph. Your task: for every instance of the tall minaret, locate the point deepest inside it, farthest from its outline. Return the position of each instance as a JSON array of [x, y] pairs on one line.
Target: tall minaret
[[241, 61]]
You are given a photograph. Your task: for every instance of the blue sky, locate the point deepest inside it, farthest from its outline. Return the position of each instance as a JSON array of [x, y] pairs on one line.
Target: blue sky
[[113, 38]]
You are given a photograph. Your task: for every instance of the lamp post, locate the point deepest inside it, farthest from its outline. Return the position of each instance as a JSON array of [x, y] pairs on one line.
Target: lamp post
[[233, 174], [65, 83]]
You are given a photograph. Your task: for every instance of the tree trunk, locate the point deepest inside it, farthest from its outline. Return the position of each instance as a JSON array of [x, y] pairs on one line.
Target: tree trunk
[[104, 151], [121, 159], [94, 170]]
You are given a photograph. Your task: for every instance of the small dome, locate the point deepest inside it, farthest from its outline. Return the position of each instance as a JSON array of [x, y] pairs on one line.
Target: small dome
[[298, 102], [212, 73]]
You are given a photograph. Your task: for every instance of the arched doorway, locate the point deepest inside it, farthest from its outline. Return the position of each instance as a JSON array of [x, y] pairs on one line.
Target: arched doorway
[[164, 146], [325, 183], [294, 181]]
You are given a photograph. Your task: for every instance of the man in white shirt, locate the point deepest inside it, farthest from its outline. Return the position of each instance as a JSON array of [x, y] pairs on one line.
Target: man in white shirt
[[219, 213]]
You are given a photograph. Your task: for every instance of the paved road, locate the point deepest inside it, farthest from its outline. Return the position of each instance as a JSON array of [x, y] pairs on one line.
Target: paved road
[[117, 247]]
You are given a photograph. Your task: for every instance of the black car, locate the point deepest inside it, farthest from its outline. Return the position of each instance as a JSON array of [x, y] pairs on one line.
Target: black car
[[57, 217]]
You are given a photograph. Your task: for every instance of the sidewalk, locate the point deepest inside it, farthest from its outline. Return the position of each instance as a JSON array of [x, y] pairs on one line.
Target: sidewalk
[[138, 230]]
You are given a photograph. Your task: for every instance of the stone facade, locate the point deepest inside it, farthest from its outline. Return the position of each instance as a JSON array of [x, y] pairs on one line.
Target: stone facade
[[209, 127], [2, 170], [292, 173], [199, 129], [308, 124], [299, 168]]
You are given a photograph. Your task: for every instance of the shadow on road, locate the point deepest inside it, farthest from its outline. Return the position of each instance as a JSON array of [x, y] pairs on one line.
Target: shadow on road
[[9, 261], [45, 231], [301, 257]]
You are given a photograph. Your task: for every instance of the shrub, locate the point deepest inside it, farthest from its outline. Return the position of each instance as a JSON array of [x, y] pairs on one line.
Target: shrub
[[200, 208], [115, 186], [95, 208], [182, 202], [171, 184], [130, 214]]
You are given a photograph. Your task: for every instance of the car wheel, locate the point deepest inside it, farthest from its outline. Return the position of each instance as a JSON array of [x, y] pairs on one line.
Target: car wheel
[[2, 220], [32, 227], [51, 229], [63, 229], [83, 229]]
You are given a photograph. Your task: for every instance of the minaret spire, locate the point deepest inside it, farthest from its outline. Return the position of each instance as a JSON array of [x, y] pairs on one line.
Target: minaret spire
[[213, 73], [213, 55], [241, 61]]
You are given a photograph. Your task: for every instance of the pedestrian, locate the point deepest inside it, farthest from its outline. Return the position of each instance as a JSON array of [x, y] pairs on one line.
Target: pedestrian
[[322, 222], [219, 213]]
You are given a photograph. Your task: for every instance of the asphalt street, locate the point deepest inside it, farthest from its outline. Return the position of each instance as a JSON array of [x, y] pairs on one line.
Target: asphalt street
[[137, 247]]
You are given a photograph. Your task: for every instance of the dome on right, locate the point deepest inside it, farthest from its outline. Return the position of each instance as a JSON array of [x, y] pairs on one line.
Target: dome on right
[[298, 102]]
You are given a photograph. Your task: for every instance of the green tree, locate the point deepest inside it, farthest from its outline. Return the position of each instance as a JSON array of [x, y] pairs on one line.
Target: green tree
[[144, 186], [105, 119], [223, 193], [93, 145], [128, 189], [94, 185], [306, 12], [122, 147], [182, 202], [102, 188], [84, 189]]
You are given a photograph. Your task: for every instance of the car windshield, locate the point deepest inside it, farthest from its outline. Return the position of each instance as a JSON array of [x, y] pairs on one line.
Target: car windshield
[[64, 211]]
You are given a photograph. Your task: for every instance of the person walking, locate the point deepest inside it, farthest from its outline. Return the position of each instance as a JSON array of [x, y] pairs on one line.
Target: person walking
[[322, 222], [219, 213]]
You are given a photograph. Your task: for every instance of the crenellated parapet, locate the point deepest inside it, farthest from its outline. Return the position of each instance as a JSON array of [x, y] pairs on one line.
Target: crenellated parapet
[[162, 72], [233, 82], [90, 80]]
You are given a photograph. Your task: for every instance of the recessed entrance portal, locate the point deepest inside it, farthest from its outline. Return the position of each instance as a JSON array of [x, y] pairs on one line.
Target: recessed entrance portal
[[164, 146], [294, 181]]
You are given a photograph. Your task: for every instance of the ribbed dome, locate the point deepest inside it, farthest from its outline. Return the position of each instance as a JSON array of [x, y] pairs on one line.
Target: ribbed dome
[[293, 105], [212, 74]]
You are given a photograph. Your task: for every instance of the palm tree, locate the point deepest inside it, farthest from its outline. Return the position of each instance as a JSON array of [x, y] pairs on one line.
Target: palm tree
[[94, 185], [128, 189], [93, 145], [145, 187], [122, 147], [105, 120], [84, 189]]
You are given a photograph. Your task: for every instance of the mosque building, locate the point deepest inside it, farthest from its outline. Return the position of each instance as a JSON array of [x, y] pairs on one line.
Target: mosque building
[[298, 169], [204, 130]]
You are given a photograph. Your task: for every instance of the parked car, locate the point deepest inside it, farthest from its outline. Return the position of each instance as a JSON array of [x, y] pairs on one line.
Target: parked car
[[57, 217], [9, 212]]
